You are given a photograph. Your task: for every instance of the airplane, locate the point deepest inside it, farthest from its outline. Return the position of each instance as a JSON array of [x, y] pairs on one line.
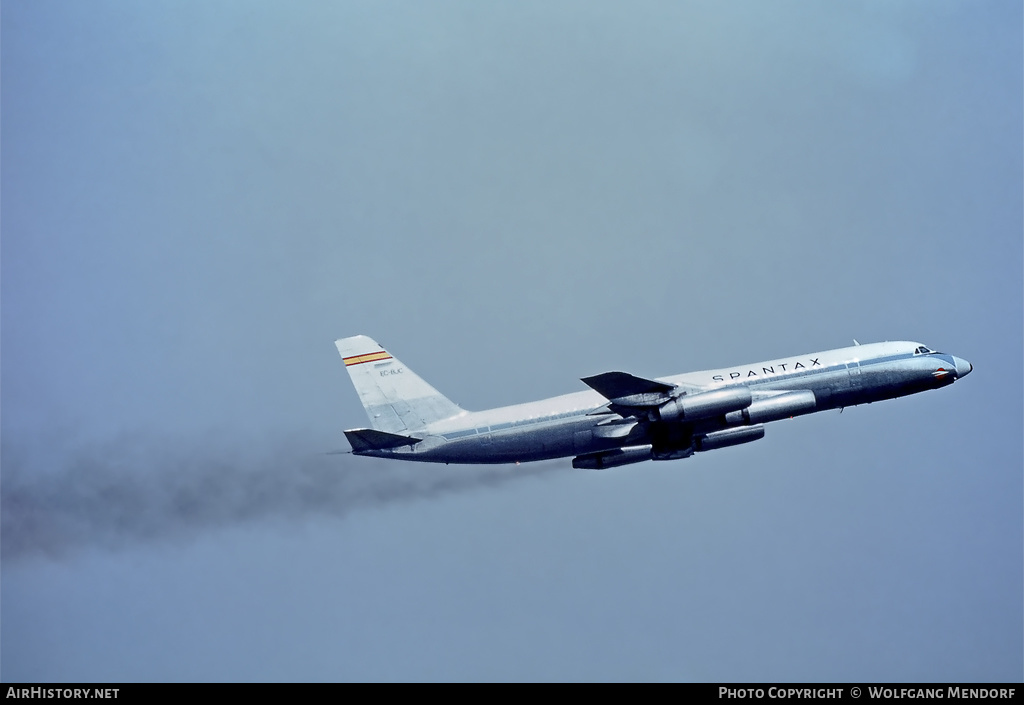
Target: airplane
[[625, 419]]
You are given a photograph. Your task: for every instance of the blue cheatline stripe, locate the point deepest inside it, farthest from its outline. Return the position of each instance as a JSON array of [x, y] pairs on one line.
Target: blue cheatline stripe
[[451, 435], [887, 358]]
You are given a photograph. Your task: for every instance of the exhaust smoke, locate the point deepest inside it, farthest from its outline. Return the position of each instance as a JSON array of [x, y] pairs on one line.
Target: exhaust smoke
[[144, 489]]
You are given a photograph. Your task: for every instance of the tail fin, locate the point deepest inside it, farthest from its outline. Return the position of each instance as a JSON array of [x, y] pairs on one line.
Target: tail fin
[[396, 399]]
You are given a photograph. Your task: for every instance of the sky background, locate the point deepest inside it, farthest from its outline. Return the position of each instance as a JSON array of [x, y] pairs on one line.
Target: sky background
[[199, 197]]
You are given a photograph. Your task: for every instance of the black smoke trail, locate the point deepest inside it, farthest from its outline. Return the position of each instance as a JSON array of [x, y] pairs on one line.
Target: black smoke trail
[[136, 490]]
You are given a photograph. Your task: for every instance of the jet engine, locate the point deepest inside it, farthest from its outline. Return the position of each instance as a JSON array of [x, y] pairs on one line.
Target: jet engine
[[730, 437], [773, 408], [704, 405], [612, 458]]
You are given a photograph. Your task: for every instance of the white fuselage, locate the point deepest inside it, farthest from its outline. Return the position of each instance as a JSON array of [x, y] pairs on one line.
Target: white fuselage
[[602, 431]]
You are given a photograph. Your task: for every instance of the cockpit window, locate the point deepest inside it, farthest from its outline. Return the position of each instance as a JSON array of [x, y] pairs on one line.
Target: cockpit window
[[923, 350]]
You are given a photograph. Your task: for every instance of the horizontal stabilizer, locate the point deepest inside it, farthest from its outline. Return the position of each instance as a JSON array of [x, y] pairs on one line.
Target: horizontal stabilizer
[[625, 388], [364, 439]]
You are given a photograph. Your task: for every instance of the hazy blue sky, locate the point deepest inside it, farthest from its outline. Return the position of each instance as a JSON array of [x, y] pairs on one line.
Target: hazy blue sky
[[199, 197]]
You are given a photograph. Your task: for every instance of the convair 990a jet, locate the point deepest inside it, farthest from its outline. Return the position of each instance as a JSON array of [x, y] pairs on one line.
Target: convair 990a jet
[[625, 419]]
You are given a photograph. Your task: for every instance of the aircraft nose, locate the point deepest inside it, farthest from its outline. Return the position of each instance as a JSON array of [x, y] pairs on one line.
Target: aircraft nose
[[963, 368]]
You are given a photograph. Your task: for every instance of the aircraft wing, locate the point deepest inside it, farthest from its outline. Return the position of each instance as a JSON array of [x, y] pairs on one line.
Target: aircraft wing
[[624, 389]]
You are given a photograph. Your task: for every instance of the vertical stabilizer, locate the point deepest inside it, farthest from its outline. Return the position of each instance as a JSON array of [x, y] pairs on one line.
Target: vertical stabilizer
[[396, 399]]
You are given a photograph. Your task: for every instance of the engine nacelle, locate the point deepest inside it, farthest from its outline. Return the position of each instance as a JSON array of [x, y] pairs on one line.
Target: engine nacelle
[[704, 405], [773, 408], [612, 458], [729, 437]]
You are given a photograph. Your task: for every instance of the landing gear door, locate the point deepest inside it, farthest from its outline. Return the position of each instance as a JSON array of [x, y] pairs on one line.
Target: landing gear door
[[582, 441]]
